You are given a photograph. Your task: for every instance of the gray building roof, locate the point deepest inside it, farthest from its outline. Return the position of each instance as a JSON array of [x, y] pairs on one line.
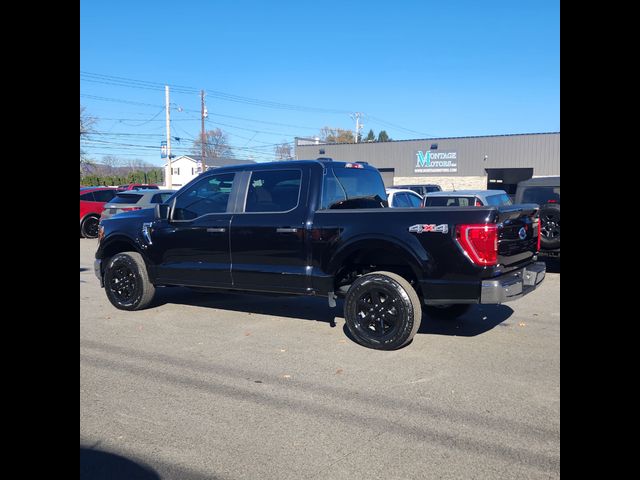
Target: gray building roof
[[464, 156]]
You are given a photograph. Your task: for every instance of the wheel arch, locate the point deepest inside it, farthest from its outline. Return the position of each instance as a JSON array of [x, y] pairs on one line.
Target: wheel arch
[[111, 246], [385, 252]]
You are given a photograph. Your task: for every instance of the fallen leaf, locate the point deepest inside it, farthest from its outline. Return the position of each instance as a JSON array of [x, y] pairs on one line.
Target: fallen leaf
[[246, 334], [342, 341], [339, 371], [286, 376]]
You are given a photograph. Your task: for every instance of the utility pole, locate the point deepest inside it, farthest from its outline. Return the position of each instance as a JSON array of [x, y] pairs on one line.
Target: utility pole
[[168, 179], [203, 134], [359, 126]]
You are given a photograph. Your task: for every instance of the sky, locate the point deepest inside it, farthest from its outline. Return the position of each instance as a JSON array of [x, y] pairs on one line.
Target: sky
[[277, 70]]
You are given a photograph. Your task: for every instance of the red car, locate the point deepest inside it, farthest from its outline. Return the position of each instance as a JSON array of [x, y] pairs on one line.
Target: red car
[[137, 186], [92, 200]]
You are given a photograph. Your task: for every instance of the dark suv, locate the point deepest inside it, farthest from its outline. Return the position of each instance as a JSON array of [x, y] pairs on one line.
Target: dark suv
[[545, 191]]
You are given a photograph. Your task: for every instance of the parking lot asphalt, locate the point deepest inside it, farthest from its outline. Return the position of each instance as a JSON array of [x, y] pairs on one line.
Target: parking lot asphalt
[[231, 386]]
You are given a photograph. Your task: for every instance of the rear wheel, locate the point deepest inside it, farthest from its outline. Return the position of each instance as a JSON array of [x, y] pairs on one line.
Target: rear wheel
[[447, 312], [550, 226], [89, 226], [127, 283], [382, 311]]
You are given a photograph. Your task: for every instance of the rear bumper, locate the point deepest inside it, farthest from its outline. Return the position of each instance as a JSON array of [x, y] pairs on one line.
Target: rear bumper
[[513, 285]]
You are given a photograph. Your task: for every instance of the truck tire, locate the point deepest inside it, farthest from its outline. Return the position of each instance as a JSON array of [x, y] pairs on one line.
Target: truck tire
[[89, 226], [382, 311], [127, 283], [447, 312], [550, 226]]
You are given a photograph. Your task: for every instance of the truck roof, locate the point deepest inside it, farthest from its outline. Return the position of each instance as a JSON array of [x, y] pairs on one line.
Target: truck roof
[[289, 164], [541, 182]]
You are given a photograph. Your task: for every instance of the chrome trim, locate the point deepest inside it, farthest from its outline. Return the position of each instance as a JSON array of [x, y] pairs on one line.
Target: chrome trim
[[513, 285]]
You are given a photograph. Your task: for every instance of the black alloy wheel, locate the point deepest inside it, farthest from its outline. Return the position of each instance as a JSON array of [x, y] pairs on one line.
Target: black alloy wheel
[[127, 283], [90, 227], [378, 312], [550, 226], [382, 310]]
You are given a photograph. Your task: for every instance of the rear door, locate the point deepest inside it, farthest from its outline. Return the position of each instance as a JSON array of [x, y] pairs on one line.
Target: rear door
[[268, 236]]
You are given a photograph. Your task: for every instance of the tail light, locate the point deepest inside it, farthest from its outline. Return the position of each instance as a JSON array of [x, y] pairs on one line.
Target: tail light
[[128, 209], [479, 242], [539, 228]]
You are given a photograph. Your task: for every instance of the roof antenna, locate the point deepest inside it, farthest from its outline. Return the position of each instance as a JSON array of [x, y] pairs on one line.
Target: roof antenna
[[453, 186]]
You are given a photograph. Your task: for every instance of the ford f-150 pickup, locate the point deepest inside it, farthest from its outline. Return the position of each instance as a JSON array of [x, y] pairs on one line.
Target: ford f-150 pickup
[[322, 227]]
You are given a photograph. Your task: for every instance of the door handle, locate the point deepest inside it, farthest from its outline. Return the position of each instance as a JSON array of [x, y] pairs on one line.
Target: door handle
[[286, 230], [216, 230]]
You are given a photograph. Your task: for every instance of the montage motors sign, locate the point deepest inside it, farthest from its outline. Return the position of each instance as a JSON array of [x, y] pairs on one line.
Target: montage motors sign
[[436, 162]]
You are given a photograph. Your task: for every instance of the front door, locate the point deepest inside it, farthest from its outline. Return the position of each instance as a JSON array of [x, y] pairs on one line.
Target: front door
[[192, 247]]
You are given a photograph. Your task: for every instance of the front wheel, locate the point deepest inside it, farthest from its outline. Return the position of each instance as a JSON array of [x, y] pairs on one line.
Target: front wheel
[[382, 311], [127, 283]]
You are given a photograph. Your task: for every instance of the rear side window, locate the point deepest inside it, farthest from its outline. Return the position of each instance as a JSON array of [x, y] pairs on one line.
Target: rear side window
[[432, 189], [161, 197], [127, 198], [342, 184], [416, 189], [273, 191], [103, 195], [501, 199], [87, 197], [447, 202], [541, 195]]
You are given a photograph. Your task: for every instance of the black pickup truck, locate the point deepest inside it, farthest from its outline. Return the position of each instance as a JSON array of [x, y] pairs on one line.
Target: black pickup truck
[[322, 227]]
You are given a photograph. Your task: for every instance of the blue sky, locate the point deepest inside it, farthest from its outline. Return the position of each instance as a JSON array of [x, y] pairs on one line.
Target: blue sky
[[416, 69]]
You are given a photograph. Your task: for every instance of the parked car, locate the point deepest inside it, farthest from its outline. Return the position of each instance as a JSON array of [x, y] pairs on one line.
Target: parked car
[[135, 200], [467, 198], [321, 228], [545, 191], [403, 198], [137, 186], [92, 200], [421, 189]]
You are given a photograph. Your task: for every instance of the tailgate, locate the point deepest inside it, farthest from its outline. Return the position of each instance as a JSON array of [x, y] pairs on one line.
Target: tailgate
[[517, 233]]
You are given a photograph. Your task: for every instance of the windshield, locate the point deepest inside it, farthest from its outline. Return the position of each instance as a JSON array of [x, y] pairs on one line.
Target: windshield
[[353, 188]]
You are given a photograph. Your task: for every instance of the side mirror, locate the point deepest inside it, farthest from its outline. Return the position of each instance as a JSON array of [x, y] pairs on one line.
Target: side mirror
[[162, 211]]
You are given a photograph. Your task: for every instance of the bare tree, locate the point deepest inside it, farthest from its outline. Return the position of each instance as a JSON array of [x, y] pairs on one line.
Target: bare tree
[[87, 123], [283, 151], [111, 164], [336, 135], [216, 145]]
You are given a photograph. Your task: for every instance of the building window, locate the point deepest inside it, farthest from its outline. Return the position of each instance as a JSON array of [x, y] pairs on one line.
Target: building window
[[175, 171]]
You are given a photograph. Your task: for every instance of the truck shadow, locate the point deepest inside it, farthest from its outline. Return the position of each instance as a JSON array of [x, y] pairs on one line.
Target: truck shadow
[[479, 319], [100, 465], [305, 308], [552, 263]]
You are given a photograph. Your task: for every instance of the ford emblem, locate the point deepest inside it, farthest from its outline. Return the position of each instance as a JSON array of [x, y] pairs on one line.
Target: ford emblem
[[522, 233]]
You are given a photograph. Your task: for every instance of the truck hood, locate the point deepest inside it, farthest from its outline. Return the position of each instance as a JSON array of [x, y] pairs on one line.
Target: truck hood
[[144, 215]]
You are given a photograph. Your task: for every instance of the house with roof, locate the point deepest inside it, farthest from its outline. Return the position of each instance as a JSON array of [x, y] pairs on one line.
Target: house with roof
[[185, 168]]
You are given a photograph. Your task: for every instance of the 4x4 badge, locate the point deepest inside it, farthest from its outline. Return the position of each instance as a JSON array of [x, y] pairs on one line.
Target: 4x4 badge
[[420, 228]]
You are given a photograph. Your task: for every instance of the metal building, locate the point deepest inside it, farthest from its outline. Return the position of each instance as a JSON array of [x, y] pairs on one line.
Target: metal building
[[457, 161]]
